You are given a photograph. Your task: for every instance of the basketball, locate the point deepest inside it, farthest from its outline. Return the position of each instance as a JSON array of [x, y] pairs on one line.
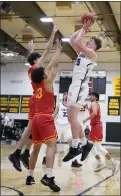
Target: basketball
[[88, 16]]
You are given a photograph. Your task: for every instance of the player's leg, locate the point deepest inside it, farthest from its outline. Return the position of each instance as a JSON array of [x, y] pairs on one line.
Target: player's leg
[[75, 100], [76, 163], [36, 138], [75, 150], [15, 157], [32, 163], [86, 145], [96, 133], [115, 163], [100, 164], [49, 136], [59, 132], [26, 154], [48, 179]]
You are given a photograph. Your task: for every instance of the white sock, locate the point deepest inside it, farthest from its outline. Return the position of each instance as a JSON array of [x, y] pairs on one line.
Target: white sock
[[83, 141], [49, 172], [78, 159], [112, 160], [31, 172], [99, 161], [75, 143]]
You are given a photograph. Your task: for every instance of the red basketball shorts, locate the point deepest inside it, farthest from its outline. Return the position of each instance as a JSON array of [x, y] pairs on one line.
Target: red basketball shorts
[[96, 133], [43, 128], [31, 107]]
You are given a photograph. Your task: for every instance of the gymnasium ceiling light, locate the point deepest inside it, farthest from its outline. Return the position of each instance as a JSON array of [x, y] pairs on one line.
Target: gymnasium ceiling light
[[7, 54], [46, 19], [65, 39]]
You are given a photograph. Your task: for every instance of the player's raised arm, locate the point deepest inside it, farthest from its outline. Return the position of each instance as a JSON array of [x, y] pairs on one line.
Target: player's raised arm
[[31, 46], [72, 41], [79, 41], [48, 47], [55, 58], [53, 66]]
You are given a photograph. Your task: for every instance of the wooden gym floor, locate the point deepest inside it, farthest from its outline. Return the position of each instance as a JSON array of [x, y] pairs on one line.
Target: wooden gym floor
[[82, 181]]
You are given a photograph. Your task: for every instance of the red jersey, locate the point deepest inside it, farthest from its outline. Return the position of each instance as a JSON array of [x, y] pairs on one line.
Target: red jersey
[[96, 119], [29, 74], [44, 100]]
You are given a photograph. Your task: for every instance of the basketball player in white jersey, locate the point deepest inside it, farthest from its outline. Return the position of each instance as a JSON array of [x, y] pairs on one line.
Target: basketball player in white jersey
[[63, 126], [78, 91]]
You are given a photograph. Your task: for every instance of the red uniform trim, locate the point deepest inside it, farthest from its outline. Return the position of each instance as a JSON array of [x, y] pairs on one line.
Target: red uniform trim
[[37, 114], [95, 140], [29, 118], [46, 139]]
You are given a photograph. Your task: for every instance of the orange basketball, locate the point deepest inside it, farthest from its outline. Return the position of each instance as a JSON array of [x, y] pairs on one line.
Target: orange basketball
[[88, 16]]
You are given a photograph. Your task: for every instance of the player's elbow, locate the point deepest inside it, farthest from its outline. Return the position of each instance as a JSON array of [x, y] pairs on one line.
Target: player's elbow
[[72, 41]]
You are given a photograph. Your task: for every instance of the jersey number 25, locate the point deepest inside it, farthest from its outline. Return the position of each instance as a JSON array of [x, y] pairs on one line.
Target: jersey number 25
[[65, 114], [78, 62]]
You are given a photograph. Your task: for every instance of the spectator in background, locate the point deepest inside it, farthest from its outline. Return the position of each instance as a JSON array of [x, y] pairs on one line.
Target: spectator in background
[[87, 131], [1, 126], [9, 134], [11, 123], [6, 120]]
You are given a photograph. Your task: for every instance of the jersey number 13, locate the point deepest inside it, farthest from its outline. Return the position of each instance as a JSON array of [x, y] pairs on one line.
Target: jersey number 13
[[39, 93]]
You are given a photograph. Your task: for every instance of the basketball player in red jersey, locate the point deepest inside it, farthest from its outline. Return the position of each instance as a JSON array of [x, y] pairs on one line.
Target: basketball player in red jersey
[[43, 127], [96, 135], [35, 60]]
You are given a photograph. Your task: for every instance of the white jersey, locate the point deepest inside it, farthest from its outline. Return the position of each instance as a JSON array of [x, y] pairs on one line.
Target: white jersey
[[82, 68], [62, 117]]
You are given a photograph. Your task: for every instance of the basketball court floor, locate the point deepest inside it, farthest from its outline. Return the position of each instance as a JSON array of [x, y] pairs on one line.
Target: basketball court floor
[[81, 181]]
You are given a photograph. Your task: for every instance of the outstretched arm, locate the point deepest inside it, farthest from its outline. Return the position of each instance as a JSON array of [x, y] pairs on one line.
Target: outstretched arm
[[72, 41], [55, 58], [73, 37], [79, 41], [53, 66], [31, 46], [48, 47]]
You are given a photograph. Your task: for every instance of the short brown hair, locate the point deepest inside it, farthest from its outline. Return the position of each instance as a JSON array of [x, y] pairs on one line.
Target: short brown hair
[[98, 42], [37, 75], [32, 57]]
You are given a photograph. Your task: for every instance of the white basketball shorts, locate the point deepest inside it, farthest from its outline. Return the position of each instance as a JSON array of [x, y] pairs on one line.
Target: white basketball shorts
[[77, 94], [64, 130]]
